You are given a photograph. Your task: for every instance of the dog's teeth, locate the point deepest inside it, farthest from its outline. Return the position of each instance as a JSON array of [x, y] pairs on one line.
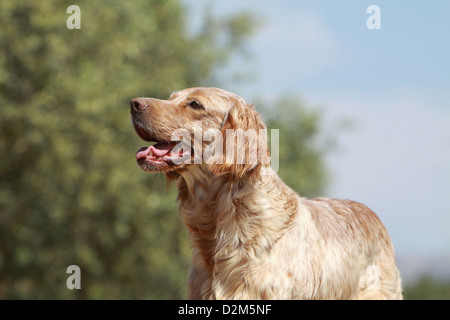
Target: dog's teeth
[[150, 153]]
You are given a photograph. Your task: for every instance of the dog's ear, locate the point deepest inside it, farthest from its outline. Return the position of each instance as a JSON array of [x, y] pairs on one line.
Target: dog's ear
[[244, 142]]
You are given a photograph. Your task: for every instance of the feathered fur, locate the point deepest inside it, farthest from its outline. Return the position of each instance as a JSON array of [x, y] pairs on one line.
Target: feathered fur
[[252, 236]]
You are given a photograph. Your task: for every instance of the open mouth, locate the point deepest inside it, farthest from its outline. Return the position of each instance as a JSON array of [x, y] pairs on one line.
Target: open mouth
[[163, 155], [171, 153]]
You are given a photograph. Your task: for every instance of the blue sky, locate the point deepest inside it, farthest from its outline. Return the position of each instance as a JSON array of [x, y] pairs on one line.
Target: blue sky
[[392, 83]]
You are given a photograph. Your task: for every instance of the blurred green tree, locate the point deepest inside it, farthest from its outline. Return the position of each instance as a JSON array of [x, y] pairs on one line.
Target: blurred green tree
[[428, 288], [70, 191]]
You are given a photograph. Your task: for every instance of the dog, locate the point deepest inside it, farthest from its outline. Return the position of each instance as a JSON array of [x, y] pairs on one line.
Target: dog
[[252, 236]]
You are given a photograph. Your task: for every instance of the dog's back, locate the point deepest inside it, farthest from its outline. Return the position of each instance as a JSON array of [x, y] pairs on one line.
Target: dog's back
[[347, 249]]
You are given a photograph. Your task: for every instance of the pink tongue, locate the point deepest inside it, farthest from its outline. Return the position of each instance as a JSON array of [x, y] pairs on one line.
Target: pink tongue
[[158, 150], [142, 152], [161, 149]]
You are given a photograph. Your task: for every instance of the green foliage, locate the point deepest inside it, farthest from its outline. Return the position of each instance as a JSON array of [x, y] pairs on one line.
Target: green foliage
[[70, 191], [428, 288]]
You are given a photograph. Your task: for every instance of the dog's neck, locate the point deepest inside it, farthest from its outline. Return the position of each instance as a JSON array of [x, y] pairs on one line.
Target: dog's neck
[[232, 218]]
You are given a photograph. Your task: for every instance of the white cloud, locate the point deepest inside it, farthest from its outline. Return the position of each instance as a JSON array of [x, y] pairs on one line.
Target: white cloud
[[296, 45]]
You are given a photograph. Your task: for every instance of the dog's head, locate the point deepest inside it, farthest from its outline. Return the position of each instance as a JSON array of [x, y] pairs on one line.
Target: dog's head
[[200, 126]]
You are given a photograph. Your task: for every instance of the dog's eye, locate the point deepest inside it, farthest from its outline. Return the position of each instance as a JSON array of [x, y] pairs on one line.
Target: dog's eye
[[195, 105]]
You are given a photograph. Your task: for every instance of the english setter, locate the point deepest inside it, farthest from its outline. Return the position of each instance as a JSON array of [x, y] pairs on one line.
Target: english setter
[[253, 237]]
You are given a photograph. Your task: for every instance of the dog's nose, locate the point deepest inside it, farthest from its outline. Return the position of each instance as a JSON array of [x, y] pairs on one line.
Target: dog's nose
[[138, 104]]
